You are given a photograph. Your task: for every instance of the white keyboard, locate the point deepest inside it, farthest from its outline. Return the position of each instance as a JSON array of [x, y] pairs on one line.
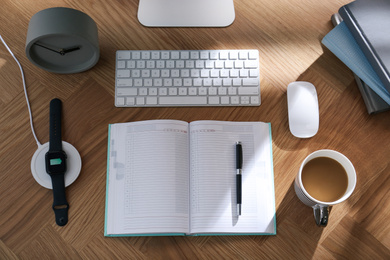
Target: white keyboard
[[164, 78]]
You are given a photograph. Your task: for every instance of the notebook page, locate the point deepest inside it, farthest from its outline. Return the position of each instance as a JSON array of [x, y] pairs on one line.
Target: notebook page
[[213, 178], [148, 178]]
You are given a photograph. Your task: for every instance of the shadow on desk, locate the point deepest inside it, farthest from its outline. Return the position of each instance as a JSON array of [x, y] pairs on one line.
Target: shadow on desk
[[296, 225], [345, 126]]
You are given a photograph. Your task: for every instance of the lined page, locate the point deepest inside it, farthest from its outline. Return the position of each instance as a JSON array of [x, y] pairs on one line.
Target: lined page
[[213, 178], [148, 178]]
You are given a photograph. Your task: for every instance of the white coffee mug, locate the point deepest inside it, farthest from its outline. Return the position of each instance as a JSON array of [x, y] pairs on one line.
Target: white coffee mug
[[321, 208]]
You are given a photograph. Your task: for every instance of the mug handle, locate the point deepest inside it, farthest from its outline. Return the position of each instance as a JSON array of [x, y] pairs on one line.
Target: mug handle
[[321, 215]]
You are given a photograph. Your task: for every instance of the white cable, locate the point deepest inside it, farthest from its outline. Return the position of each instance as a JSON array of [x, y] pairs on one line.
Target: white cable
[[25, 91]]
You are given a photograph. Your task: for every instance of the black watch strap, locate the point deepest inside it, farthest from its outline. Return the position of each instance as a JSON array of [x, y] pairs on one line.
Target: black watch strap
[[55, 125], [60, 204]]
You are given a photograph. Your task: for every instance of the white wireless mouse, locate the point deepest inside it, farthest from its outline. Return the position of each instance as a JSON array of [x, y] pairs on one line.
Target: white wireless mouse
[[303, 112]]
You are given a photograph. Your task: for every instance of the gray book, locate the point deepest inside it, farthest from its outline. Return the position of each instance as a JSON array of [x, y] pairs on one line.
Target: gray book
[[369, 23], [373, 102]]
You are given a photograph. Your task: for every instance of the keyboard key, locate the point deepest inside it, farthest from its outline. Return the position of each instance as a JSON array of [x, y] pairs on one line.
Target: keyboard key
[[253, 55], [143, 91], [245, 100], [162, 91], [253, 73], [212, 91], [120, 101], [123, 73], [151, 100], [172, 91], [130, 101], [124, 82], [182, 91], [145, 55], [233, 55], [214, 100], [155, 55], [153, 91], [126, 91], [123, 55], [165, 55], [175, 55], [250, 64], [194, 55], [214, 55], [140, 101], [202, 91], [204, 55], [224, 55], [225, 100], [131, 64], [136, 55], [192, 91], [222, 91], [232, 91], [250, 82], [195, 73], [138, 82], [184, 55], [135, 73], [235, 100], [121, 64], [199, 64], [255, 100], [244, 73], [243, 55], [183, 100], [248, 91], [238, 64]]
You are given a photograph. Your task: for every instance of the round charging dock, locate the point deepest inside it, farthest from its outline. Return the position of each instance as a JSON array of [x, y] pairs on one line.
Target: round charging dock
[[38, 165]]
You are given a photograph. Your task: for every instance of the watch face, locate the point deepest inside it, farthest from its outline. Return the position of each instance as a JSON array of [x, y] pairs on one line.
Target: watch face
[[55, 163], [63, 53]]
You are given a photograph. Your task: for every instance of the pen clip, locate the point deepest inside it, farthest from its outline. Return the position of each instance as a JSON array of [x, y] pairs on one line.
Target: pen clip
[[238, 156]]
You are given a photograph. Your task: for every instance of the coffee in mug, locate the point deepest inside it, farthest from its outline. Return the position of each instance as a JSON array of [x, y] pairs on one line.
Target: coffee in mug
[[325, 179]]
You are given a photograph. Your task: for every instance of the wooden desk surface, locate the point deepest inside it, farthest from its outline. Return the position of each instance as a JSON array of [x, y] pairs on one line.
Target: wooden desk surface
[[287, 33]]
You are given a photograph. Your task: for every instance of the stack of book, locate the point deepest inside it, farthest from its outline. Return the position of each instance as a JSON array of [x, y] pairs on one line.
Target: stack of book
[[361, 39]]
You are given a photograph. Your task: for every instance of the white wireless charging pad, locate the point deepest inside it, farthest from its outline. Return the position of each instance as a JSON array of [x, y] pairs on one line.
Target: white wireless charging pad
[[38, 167]]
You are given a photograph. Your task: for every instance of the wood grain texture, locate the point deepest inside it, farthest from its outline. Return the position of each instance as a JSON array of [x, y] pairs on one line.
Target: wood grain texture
[[287, 34]]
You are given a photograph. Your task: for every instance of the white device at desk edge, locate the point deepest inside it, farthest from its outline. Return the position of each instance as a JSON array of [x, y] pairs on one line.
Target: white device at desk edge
[[186, 13]]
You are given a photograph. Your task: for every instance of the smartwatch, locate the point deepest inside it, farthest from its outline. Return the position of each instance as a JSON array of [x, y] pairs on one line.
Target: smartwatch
[[56, 164]]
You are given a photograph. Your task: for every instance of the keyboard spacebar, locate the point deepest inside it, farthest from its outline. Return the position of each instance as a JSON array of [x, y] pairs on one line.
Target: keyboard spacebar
[[183, 100]]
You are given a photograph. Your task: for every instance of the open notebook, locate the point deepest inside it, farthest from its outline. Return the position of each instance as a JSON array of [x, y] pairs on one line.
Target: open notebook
[[169, 177]]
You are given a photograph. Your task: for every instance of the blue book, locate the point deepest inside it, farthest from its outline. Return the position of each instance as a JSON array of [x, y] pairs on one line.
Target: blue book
[[174, 178], [341, 42]]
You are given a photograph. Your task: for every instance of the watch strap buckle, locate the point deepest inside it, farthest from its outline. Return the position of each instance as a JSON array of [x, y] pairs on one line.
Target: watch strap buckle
[[61, 214]]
